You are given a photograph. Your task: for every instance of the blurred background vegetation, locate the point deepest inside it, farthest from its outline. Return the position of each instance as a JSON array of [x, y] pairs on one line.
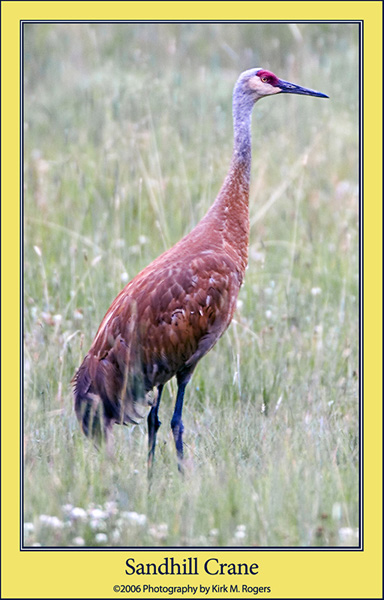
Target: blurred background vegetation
[[127, 139]]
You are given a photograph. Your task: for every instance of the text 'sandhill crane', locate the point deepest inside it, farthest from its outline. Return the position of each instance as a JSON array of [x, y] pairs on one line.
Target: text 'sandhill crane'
[[172, 313]]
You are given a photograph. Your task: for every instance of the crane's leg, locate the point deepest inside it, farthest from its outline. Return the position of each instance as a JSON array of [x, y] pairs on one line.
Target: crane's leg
[[177, 423], [153, 425]]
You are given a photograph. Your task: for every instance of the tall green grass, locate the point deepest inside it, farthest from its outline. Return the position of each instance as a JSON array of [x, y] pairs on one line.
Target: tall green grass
[[128, 136]]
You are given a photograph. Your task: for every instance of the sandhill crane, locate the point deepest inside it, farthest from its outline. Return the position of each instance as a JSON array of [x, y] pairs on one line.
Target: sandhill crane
[[174, 311]]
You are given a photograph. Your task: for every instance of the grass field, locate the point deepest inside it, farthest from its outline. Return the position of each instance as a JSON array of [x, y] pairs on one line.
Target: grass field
[[128, 136]]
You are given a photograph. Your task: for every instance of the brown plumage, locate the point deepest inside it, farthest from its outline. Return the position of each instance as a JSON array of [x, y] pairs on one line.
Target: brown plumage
[[173, 312]]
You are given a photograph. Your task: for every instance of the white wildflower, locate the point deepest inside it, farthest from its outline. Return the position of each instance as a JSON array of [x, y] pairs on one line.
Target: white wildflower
[[134, 517], [51, 521], [347, 535], [78, 541], [97, 513], [214, 532], [78, 513], [241, 532], [101, 538], [159, 532], [257, 256]]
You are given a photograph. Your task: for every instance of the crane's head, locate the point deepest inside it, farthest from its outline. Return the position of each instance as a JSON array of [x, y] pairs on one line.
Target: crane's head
[[259, 83]]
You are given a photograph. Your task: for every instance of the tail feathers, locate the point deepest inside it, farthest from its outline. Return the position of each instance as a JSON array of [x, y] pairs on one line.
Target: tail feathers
[[105, 394], [88, 405]]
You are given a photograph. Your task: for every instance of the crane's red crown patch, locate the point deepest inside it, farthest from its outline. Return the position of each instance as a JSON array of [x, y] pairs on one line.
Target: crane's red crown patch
[[268, 77]]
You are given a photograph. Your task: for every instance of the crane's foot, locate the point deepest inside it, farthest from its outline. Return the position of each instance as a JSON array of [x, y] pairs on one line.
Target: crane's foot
[[177, 430], [177, 423], [153, 426]]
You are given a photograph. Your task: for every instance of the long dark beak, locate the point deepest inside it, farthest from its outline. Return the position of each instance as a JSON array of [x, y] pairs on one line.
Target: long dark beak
[[291, 88]]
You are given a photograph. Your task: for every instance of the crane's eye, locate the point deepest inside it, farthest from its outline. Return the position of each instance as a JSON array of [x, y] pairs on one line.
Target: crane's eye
[[265, 79]]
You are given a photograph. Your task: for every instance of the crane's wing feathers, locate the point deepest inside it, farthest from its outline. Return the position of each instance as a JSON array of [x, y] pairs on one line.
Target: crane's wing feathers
[[173, 312]]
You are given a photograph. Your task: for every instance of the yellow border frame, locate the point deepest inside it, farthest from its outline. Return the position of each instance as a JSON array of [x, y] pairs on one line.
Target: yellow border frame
[[290, 574]]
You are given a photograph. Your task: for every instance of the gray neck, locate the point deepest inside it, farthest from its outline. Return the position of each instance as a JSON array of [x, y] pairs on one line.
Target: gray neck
[[242, 109], [229, 213]]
